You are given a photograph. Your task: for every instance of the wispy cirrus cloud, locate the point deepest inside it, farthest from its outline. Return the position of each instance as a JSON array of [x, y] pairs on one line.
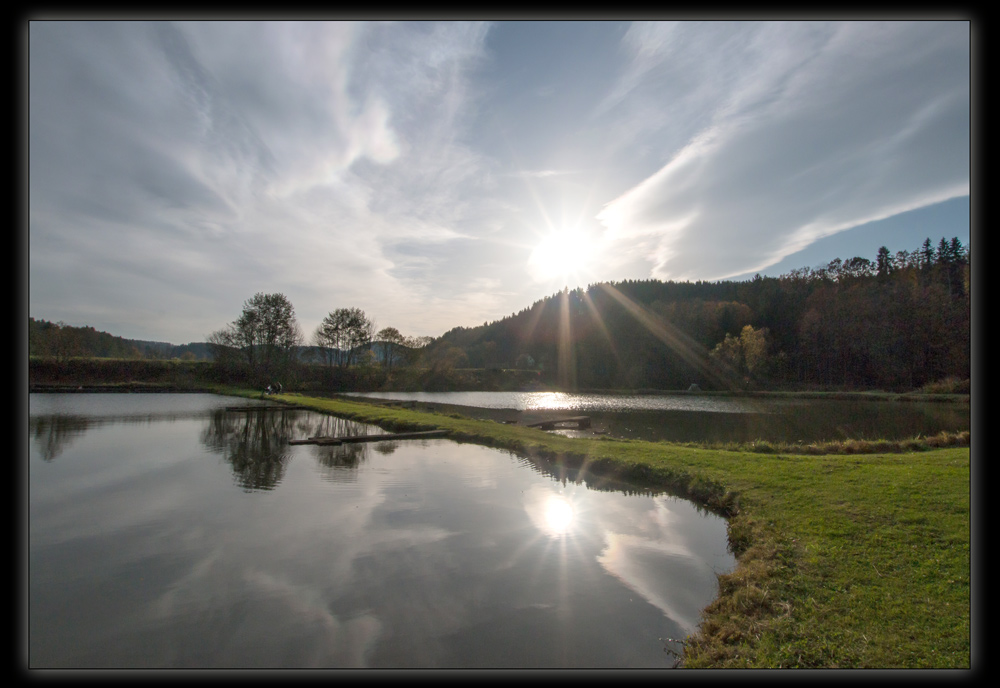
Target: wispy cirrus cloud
[[429, 172], [817, 129], [296, 153]]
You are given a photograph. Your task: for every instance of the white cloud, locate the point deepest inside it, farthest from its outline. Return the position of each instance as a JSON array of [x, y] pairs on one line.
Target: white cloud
[[807, 143], [189, 165]]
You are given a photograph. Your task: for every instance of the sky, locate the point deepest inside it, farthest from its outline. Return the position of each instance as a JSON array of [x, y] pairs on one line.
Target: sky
[[443, 174]]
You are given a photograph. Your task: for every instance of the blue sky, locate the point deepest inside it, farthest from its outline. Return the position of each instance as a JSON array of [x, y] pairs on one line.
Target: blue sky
[[438, 174]]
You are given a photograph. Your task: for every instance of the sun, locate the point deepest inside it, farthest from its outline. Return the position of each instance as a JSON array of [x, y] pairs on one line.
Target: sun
[[559, 255]]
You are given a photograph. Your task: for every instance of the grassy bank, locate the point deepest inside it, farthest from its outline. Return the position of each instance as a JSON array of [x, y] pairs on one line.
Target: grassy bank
[[845, 560]]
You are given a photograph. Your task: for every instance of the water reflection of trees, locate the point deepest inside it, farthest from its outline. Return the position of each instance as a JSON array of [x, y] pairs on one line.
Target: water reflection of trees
[[320, 425], [340, 456], [54, 433], [387, 447], [604, 478], [254, 444], [338, 460], [349, 455]]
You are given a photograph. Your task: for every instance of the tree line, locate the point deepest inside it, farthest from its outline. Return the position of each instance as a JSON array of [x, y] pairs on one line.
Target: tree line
[[897, 322], [61, 341], [264, 345]]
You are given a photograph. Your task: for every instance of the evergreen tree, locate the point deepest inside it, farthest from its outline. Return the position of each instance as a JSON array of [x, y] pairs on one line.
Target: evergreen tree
[[883, 263]]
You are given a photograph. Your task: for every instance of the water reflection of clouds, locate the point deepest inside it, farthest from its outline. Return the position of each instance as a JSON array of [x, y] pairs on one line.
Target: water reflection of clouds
[[288, 623], [479, 472], [664, 574], [102, 488], [645, 544], [347, 533], [435, 535], [345, 643], [650, 555]]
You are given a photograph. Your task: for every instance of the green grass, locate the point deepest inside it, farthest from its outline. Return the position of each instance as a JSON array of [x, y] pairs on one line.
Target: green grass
[[844, 560], [961, 438]]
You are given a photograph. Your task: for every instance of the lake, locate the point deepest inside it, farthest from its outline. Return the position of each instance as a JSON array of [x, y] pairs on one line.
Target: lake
[[165, 531], [686, 417]]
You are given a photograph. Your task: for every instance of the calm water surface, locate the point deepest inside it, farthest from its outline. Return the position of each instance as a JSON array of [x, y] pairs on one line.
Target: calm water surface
[[708, 418], [167, 532]]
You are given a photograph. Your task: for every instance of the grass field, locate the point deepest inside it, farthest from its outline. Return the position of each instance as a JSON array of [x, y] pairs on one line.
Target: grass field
[[845, 560]]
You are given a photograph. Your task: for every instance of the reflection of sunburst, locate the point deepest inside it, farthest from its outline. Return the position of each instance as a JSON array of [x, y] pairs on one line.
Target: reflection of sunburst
[[558, 516], [553, 514], [561, 535]]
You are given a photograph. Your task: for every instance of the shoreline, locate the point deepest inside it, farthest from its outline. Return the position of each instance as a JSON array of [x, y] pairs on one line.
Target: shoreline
[[832, 569], [843, 559], [873, 395]]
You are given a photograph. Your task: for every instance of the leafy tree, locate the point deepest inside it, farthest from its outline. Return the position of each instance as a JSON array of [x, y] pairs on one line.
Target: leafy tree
[[65, 341], [746, 355], [261, 343], [342, 332], [901, 261], [833, 268], [418, 342], [446, 358], [894, 322], [392, 342]]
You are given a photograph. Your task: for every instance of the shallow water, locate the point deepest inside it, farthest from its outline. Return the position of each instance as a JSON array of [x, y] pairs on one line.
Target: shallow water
[[167, 532]]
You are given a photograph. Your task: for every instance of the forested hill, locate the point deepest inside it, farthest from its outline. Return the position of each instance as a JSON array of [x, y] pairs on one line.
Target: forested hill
[[898, 322], [57, 339]]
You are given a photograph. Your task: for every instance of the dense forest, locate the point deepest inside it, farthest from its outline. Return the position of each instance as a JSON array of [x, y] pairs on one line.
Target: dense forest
[[65, 341], [898, 322]]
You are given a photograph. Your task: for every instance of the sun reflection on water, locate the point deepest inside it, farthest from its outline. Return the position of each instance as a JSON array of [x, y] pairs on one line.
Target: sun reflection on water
[[552, 513], [548, 400], [558, 516]]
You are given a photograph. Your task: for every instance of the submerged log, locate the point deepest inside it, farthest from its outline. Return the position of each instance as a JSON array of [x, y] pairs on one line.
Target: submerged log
[[351, 439]]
